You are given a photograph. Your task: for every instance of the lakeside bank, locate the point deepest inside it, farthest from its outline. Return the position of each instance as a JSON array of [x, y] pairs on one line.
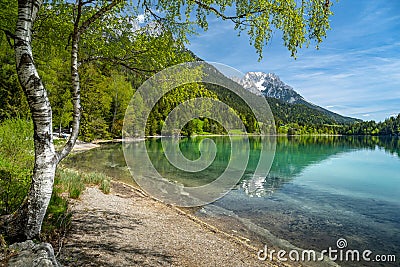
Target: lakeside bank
[[129, 228]]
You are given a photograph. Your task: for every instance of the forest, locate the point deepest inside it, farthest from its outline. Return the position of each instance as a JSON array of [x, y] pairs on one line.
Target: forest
[[108, 85], [107, 89], [109, 82]]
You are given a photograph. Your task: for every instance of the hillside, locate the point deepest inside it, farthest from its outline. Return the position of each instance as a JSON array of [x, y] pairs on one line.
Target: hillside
[[270, 85], [299, 111]]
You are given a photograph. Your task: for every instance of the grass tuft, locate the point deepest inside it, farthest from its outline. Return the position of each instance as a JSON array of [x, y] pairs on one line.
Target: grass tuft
[[74, 182], [105, 186]]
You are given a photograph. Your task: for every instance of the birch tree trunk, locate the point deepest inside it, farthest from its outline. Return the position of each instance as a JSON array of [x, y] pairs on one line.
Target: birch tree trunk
[[26, 222]]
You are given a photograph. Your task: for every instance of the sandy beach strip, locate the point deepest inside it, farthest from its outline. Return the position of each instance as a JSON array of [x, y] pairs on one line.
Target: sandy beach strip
[[128, 228]]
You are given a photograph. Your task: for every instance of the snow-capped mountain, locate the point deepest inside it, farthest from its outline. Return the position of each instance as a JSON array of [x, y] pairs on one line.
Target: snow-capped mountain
[[270, 85], [249, 86]]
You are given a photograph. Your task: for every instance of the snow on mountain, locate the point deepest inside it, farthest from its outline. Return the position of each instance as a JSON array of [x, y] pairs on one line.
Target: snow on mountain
[[270, 85]]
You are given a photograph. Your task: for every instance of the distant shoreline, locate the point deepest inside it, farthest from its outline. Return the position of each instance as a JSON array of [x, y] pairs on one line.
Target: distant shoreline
[[84, 146]]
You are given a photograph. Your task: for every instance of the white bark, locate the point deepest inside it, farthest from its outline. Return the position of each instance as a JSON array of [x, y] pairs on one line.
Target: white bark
[[30, 216], [76, 100], [79, 29], [26, 223]]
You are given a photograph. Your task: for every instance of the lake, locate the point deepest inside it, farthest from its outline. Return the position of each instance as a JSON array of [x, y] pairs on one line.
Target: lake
[[318, 190]]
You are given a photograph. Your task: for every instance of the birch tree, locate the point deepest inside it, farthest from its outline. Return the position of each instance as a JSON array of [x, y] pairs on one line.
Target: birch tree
[[26, 222], [301, 23]]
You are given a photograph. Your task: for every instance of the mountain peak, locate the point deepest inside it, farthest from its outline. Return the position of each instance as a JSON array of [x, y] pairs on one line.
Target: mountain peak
[[259, 76], [262, 74], [270, 85]]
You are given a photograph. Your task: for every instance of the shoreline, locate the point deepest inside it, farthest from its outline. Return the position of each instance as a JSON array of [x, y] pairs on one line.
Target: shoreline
[[201, 241], [85, 146], [227, 229], [80, 147], [129, 228], [235, 229]]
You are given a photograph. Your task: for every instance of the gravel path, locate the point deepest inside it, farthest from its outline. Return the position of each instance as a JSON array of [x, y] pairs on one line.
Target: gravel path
[[126, 228]]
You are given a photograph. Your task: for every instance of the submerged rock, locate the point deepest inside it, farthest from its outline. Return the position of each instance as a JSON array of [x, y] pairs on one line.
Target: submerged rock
[[30, 254]]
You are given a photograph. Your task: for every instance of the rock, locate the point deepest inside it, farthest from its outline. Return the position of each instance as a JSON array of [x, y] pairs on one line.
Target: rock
[[30, 254]]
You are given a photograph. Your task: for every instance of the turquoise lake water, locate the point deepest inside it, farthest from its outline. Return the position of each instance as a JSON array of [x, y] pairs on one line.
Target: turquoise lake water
[[319, 189]]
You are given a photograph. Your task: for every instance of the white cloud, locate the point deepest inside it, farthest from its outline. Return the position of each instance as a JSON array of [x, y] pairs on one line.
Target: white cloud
[[141, 18]]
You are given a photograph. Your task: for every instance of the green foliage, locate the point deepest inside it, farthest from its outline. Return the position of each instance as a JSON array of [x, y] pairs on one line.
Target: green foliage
[[171, 100], [105, 185], [286, 113], [96, 104], [109, 48], [117, 55], [74, 182], [8, 18], [105, 85], [236, 102], [56, 78], [299, 23], [121, 93], [13, 101], [94, 178], [16, 162], [71, 182], [58, 218], [390, 126], [297, 119]]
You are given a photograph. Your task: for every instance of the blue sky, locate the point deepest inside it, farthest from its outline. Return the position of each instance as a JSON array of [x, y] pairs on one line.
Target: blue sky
[[355, 73]]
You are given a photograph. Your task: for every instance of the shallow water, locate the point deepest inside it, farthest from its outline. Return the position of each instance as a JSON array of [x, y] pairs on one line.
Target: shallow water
[[319, 189]]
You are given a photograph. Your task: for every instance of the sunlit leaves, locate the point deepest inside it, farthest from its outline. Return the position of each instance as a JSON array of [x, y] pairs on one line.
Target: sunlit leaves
[[299, 22]]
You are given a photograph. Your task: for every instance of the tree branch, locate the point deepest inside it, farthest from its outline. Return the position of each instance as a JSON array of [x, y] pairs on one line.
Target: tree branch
[[119, 61], [88, 2], [236, 19], [9, 36], [98, 14], [76, 101], [75, 90], [160, 19]]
